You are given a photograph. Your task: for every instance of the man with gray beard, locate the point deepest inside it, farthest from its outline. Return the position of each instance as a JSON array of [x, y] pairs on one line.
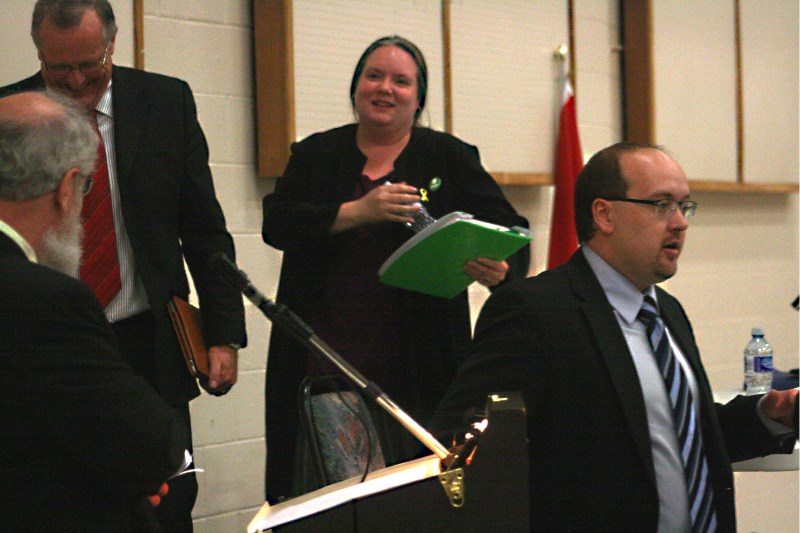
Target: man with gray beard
[[83, 440]]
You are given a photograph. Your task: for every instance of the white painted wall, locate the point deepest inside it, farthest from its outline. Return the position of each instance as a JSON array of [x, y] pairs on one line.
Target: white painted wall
[[739, 268]]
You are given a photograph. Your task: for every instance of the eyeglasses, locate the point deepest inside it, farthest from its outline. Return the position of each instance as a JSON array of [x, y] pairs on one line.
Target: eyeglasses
[[665, 209], [90, 67], [87, 186]]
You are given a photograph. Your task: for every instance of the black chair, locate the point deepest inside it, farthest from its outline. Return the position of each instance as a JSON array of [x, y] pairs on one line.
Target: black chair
[[338, 429]]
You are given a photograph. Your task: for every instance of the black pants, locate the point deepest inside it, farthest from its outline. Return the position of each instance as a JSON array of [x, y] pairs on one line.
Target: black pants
[[136, 343]]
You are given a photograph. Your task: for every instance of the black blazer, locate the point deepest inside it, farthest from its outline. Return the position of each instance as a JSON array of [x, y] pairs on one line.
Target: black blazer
[[555, 338], [83, 439], [170, 212]]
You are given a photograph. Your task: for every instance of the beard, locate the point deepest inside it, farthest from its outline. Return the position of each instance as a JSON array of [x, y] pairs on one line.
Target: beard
[[60, 247]]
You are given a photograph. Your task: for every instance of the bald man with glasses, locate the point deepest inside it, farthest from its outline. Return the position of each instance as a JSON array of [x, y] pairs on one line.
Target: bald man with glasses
[[623, 431]]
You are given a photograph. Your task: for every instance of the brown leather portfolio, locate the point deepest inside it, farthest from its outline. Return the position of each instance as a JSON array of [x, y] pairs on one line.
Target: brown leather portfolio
[[189, 329]]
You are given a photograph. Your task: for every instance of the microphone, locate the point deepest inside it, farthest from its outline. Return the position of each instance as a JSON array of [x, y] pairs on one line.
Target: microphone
[[277, 313], [222, 265], [280, 315]]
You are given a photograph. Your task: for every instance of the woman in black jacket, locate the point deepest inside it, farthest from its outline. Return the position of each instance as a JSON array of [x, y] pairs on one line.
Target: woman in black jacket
[[337, 214]]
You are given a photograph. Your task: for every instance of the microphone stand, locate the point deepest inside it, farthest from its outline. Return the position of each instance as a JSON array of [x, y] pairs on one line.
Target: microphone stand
[[292, 324]]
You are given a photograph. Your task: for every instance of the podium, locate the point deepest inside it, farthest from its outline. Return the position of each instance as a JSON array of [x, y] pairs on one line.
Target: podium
[[489, 494]]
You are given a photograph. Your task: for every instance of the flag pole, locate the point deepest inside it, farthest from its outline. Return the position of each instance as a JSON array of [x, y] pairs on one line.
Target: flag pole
[[561, 54], [568, 163]]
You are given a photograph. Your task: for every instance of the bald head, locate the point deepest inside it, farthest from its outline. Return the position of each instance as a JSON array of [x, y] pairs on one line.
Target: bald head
[[32, 108], [47, 147], [42, 136]]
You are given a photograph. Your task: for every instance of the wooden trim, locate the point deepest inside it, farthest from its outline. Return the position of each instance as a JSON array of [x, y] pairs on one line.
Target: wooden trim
[[639, 100], [730, 187], [138, 34], [274, 77], [571, 37], [639, 103], [737, 29], [447, 75], [530, 179]]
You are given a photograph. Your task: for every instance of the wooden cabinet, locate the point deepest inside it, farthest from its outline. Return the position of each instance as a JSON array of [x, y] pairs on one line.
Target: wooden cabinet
[[716, 83]]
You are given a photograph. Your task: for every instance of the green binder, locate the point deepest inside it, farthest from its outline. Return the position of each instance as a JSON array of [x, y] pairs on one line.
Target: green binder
[[432, 261]]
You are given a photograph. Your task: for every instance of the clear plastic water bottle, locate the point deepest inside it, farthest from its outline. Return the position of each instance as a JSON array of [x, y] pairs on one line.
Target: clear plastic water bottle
[[757, 364], [422, 219]]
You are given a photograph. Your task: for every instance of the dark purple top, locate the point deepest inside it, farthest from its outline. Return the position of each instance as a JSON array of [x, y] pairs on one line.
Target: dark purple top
[[359, 316]]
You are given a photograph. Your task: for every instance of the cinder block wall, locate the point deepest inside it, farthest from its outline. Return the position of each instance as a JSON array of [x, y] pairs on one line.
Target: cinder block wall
[[739, 268]]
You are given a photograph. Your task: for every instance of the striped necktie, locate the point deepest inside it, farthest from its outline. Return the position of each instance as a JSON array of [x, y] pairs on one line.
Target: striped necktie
[[690, 438], [100, 263]]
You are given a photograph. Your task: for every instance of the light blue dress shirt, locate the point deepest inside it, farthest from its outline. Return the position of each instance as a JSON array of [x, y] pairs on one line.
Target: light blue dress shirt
[[673, 515]]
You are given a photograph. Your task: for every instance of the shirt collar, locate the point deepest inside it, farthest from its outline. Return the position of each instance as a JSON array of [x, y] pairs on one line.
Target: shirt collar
[[104, 106], [30, 253], [622, 295]]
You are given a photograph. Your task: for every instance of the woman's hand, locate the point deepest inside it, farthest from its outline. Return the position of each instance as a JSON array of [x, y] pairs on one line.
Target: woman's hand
[[487, 272], [387, 203]]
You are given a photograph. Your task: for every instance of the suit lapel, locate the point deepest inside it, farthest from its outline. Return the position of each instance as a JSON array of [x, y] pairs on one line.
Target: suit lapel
[[678, 325], [675, 319], [672, 315], [131, 108], [614, 351], [716, 452], [33, 83]]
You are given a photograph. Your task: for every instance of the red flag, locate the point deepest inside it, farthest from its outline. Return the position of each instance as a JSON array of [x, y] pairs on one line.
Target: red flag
[[569, 162]]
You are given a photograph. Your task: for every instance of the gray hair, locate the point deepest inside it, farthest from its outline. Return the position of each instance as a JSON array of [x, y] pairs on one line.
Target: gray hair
[[67, 14], [35, 154]]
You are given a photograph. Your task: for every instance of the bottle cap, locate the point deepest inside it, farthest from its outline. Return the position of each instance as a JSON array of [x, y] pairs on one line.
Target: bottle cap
[[758, 330]]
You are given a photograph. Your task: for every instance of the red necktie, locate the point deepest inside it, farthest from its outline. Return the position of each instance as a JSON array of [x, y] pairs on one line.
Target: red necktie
[[100, 265]]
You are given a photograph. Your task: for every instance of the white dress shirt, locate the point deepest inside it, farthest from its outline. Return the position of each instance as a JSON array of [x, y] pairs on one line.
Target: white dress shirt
[[131, 299]]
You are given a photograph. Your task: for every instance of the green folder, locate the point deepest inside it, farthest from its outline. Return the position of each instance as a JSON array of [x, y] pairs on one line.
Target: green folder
[[432, 261]]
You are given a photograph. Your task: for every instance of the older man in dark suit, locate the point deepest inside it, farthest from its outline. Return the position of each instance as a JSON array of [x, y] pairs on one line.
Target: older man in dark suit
[[624, 433], [161, 195], [83, 439]]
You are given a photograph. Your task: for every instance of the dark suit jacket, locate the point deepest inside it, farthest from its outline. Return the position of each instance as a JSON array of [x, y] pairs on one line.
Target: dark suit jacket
[[170, 212], [83, 439], [555, 338]]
